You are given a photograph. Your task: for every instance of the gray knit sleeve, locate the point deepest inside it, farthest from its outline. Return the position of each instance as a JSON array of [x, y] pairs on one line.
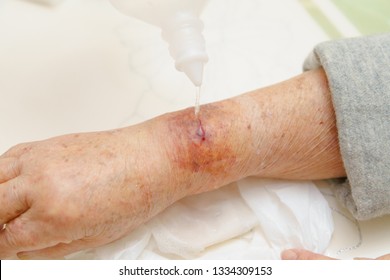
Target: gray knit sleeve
[[358, 71]]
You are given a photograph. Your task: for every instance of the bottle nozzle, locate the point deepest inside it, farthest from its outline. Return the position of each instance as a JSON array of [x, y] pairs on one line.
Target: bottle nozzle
[[194, 71]]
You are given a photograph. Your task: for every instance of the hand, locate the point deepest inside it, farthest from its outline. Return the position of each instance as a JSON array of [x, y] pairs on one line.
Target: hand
[[300, 254], [72, 192]]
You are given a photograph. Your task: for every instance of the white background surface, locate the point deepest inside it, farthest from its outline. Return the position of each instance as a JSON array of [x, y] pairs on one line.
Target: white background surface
[[82, 66]]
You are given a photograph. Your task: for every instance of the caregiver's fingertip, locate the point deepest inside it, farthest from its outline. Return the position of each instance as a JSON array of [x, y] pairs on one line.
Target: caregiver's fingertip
[[289, 254]]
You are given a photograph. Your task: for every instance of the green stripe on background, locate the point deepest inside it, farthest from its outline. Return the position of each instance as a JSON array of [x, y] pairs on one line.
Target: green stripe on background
[[368, 16], [316, 13]]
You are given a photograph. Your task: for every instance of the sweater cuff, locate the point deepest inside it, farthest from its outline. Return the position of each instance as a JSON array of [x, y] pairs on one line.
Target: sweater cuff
[[358, 72]]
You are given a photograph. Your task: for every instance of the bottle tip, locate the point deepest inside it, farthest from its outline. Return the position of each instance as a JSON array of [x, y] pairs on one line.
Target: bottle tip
[[194, 71]]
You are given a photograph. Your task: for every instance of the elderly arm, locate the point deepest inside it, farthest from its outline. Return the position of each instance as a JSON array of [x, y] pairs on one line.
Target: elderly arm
[[79, 191]]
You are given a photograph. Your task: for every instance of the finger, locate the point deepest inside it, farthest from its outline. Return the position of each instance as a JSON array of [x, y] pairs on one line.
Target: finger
[[12, 200], [9, 169], [58, 251], [300, 254]]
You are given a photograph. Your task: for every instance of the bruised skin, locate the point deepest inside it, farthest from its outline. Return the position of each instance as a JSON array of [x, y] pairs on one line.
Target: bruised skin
[[205, 150], [200, 147]]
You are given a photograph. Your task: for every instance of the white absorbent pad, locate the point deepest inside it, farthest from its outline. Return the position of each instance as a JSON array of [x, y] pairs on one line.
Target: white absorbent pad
[[250, 219]]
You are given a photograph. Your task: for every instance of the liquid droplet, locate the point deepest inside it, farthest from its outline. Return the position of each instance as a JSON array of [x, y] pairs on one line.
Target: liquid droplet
[[197, 101]]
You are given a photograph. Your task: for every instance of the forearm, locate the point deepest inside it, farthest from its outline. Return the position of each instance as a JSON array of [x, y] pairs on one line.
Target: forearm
[[284, 131]]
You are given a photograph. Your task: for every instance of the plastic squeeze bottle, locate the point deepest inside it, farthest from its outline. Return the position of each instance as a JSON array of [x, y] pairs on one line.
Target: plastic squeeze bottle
[[181, 28]]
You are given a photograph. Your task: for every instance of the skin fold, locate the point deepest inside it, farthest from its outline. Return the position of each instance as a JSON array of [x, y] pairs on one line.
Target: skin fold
[[79, 191]]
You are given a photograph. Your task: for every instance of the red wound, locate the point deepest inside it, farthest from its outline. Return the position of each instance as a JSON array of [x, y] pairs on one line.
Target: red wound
[[201, 132]]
